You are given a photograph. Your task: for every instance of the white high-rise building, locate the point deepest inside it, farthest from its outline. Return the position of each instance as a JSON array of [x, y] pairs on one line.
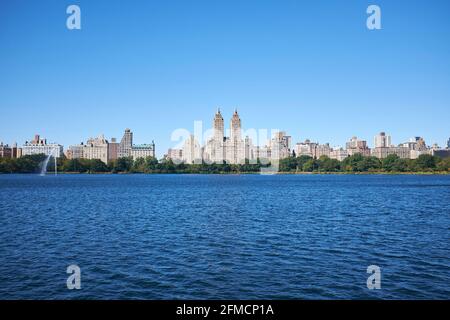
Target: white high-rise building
[[384, 148], [280, 146], [233, 149], [249, 150], [96, 148], [40, 146], [214, 149], [382, 140], [229, 149], [235, 146], [191, 151]]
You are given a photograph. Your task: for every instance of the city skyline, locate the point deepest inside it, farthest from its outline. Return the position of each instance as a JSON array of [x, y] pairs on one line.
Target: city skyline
[[235, 145]]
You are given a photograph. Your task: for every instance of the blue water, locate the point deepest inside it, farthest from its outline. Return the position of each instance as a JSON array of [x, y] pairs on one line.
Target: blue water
[[224, 236]]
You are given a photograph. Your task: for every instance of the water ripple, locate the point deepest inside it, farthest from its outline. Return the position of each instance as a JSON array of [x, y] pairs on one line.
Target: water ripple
[[224, 237]]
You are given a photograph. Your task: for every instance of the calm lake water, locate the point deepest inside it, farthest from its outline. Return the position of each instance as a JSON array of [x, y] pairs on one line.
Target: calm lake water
[[224, 236]]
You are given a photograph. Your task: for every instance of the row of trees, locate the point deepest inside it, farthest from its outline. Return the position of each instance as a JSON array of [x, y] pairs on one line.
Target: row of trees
[[33, 164], [359, 163], [150, 165], [26, 164], [354, 163]]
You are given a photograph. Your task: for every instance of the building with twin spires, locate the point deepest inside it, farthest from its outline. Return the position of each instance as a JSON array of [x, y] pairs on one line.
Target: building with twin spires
[[219, 148], [234, 149]]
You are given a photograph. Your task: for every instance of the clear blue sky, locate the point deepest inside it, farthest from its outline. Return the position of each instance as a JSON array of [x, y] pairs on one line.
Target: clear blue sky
[[309, 67]]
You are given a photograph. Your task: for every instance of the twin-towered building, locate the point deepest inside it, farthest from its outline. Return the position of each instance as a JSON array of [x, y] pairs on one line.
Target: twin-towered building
[[233, 149], [221, 148], [237, 150]]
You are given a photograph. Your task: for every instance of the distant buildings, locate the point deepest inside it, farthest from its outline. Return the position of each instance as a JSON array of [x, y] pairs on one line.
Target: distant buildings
[[143, 150], [442, 153], [175, 154], [323, 150], [5, 151], [383, 152], [339, 154], [222, 149], [95, 148], [233, 149], [382, 140], [100, 148], [355, 146], [126, 148], [40, 146], [191, 152], [75, 152], [219, 148], [280, 146], [306, 148], [383, 148], [113, 149]]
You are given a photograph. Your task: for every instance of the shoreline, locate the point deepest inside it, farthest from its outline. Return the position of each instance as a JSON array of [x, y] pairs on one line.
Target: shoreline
[[421, 173]]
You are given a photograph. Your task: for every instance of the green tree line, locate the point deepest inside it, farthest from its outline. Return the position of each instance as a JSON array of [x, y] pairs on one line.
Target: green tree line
[[355, 163], [359, 163]]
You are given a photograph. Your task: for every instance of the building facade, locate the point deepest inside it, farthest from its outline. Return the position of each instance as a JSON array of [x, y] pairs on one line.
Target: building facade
[[233, 149], [75, 152], [191, 151], [382, 140], [220, 149], [306, 148], [113, 150], [280, 146], [338, 154], [40, 146], [5, 151], [126, 148], [143, 150], [175, 154], [323, 150], [355, 146], [383, 152], [126, 144], [96, 148]]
